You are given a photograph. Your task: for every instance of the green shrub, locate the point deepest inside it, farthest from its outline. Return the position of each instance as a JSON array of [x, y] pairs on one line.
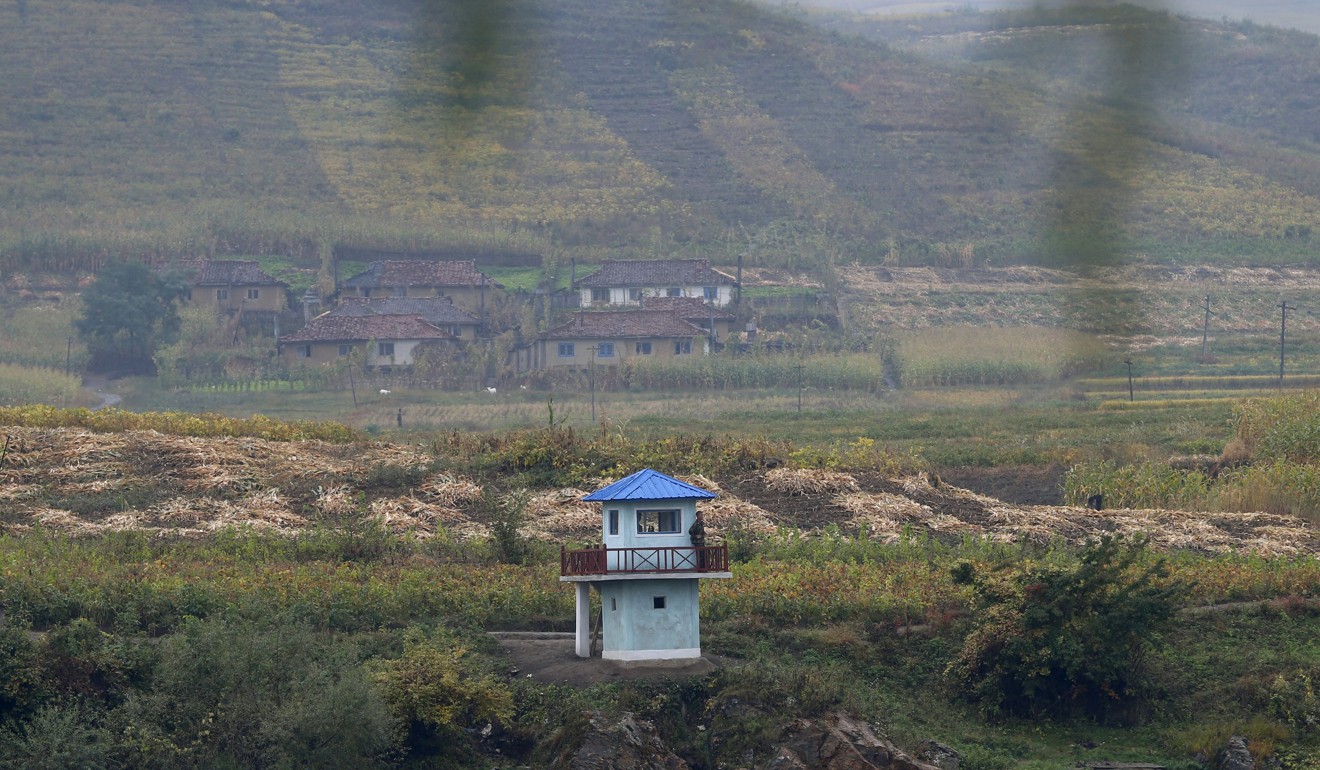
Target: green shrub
[[56, 738], [1055, 640], [265, 693]]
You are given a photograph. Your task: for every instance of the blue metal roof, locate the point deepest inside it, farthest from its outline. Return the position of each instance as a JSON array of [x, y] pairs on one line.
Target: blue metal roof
[[647, 484]]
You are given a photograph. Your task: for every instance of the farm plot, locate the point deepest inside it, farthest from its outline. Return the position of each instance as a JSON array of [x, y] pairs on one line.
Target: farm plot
[[86, 483]]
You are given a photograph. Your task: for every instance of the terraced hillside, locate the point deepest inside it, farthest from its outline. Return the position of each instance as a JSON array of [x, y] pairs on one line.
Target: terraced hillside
[[645, 127]]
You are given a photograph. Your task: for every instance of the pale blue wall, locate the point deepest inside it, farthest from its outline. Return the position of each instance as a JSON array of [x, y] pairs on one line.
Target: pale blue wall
[[630, 621], [628, 536]]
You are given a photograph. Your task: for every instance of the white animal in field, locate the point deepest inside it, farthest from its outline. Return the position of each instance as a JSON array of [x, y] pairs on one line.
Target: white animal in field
[[490, 390], [384, 392]]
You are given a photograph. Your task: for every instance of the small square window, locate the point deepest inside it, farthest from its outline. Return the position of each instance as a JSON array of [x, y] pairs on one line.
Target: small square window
[[711, 292], [385, 349], [222, 294], [254, 293], [605, 350], [658, 602], [600, 295], [682, 347], [456, 330], [634, 295], [304, 351], [643, 348], [674, 291], [566, 350], [345, 349], [188, 295], [400, 291]]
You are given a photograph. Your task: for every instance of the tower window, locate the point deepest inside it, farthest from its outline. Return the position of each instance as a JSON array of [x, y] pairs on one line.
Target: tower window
[[658, 602]]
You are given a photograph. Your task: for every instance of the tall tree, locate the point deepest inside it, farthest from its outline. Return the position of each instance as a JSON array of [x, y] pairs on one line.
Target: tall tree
[[128, 311]]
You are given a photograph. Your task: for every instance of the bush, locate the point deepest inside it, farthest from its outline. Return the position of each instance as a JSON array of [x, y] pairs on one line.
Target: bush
[[56, 738], [266, 693], [1052, 641]]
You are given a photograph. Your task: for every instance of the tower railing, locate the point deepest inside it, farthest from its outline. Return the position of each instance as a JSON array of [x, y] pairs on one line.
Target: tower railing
[[599, 560]]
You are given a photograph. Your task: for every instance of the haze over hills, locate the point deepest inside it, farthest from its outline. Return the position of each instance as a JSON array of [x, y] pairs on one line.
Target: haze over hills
[[1295, 14], [644, 127]]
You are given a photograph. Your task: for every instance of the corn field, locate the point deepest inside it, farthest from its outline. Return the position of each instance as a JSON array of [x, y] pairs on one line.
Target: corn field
[[994, 356]]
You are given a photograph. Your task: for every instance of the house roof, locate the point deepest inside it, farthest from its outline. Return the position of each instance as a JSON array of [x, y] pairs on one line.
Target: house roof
[[656, 272], [328, 328], [408, 272], [606, 324], [647, 484], [686, 307], [225, 272], [435, 310]]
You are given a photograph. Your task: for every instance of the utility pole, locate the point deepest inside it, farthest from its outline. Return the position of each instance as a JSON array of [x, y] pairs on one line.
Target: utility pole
[[799, 369], [68, 356], [1283, 330], [1131, 396], [592, 377], [1205, 330]]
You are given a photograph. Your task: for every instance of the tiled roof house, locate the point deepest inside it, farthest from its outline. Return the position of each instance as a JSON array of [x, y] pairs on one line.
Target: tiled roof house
[[437, 311], [459, 280], [626, 282], [231, 284], [697, 312], [389, 340], [615, 335]]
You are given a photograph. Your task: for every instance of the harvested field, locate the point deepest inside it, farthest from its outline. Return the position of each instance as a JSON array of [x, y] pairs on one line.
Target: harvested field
[[77, 482]]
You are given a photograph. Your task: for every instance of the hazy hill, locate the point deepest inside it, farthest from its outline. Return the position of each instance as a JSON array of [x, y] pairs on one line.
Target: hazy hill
[[645, 126]]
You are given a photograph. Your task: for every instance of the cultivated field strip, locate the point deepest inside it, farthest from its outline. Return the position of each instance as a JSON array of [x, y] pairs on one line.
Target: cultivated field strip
[[85, 483]]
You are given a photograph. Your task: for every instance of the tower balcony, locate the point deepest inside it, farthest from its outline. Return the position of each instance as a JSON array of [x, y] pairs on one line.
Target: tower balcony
[[599, 560]]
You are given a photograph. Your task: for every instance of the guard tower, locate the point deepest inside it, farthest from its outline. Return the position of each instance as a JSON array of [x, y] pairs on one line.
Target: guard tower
[[646, 570]]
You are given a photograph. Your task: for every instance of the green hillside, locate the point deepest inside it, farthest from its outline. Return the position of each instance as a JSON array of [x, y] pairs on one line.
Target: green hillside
[[644, 127]]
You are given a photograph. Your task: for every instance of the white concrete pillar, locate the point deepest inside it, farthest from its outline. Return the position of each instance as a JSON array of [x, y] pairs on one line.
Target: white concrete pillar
[[582, 639]]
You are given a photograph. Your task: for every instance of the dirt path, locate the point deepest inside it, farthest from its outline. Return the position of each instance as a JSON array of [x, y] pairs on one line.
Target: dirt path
[[96, 386]]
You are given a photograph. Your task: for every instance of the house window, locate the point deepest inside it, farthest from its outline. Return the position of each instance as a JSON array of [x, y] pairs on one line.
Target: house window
[[614, 522], [634, 295], [253, 293], [605, 349], [658, 602], [643, 348], [456, 330], [682, 347], [567, 350], [674, 291], [711, 292], [657, 522], [600, 295], [345, 350], [304, 351], [400, 291], [385, 349], [222, 294]]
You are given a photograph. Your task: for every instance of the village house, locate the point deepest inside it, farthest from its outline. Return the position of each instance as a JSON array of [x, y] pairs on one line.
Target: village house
[[626, 282], [437, 311], [232, 285], [384, 340], [695, 311], [609, 337], [461, 281]]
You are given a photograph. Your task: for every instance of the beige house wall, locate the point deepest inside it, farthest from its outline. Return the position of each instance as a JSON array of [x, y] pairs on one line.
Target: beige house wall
[[271, 298], [466, 298], [624, 349], [328, 352]]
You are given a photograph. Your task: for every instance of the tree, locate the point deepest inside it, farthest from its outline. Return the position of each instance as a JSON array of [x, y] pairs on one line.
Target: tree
[[1054, 640], [128, 311]]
